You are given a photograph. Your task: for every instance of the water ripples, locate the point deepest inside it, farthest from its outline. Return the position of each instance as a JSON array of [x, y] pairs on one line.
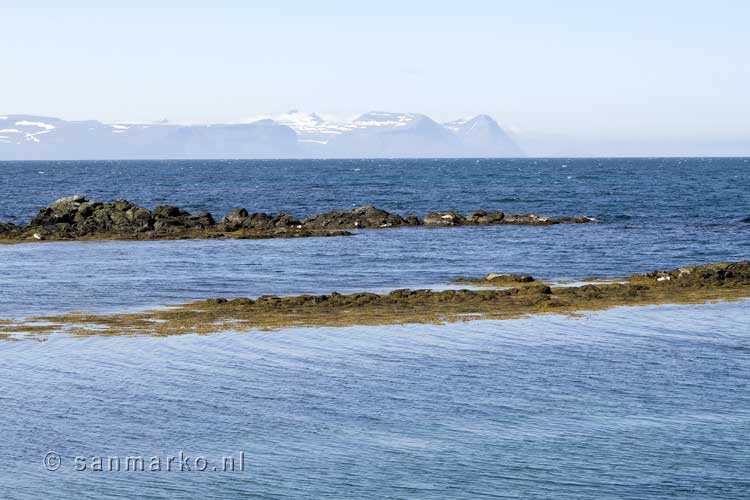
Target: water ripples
[[634, 402]]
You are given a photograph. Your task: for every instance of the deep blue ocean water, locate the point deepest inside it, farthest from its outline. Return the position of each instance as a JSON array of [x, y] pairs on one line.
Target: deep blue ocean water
[[640, 403]]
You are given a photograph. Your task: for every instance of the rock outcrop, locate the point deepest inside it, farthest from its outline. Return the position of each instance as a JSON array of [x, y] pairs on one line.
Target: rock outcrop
[[239, 219], [7, 229], [481, 217], [367, 217], [444, 219], [705, 275], [77, 217], [484, 218], [498, 280]]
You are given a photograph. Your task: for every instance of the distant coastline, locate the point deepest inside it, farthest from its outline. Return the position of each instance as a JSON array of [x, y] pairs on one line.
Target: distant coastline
[[308, 136], [375, 134]]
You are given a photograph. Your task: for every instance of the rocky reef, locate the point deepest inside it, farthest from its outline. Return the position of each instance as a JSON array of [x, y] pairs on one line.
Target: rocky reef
[[483, 218], [78, 218], [367, 217], [693, 285]]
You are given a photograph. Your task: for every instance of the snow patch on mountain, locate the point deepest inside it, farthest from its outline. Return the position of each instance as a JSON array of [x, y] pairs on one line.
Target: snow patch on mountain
[[312, 127], [384, 119], [26, 123]]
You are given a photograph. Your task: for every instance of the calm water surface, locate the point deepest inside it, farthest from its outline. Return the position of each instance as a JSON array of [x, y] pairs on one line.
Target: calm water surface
[[635, 403]]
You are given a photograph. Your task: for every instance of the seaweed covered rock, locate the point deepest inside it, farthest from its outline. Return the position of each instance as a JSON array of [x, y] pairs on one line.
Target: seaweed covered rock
[[8, 230], [75, 216], [705, 275], [239, 219], [361, 217], [171, 218], [62, 211], [271, 221], [235, 217]]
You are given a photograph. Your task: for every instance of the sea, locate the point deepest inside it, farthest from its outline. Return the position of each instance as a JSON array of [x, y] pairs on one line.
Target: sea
[[631, 403]]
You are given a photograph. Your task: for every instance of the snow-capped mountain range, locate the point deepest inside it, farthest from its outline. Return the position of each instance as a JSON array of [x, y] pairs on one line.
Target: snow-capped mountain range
[[375, 134]]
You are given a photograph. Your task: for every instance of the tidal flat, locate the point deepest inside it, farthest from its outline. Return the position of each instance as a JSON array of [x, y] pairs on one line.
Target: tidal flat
[[686, 285]]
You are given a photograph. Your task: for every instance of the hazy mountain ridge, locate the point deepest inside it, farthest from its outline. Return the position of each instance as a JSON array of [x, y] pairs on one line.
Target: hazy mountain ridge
[[375, 134]]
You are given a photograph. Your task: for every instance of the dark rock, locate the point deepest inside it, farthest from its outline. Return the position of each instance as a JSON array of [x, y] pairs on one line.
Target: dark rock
[[239, 218], [7, 229], [444, 219], [541, 289], [574, 220], [167, 211], [243, 301], [236, 216], [481, 217], [121, 205], [76, 217], [138, 215], [200, 219], [702, 275], [413, 220], [62, 210], [261, 221], [234, 220], [361, 217], [746, 220], [285, 220], [516, 278], [169, 223], [528, 220], [86, 209]]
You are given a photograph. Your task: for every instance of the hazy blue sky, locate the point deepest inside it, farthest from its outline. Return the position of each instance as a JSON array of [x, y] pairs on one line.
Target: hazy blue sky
[[671, 70]]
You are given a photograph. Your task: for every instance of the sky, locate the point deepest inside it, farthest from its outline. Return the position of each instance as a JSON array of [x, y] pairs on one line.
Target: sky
[[600, 73]]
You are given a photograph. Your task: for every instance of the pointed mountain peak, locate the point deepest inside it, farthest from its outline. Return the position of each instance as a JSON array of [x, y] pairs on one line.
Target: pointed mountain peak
[[465, 125], [483, 119]]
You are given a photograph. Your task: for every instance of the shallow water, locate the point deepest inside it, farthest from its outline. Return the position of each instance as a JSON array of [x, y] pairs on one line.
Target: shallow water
[[108, 276], [629, 403]]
